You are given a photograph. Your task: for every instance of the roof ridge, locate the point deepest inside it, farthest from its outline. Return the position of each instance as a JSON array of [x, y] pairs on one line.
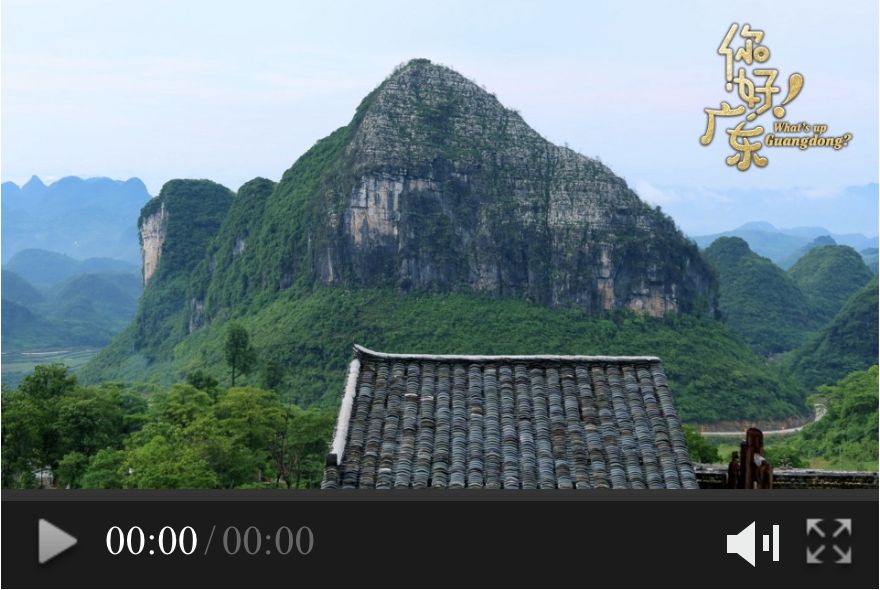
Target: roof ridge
[[364, 351]]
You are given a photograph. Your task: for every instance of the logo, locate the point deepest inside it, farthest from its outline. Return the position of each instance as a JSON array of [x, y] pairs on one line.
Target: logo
[[754, 87]]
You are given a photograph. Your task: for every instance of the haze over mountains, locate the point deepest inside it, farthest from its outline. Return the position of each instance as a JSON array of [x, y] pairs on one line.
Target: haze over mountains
[[81, 218], [708, 211], [62, 320], [785, 245]]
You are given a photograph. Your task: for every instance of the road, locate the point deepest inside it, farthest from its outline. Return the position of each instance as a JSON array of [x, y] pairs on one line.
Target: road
[[819, 410]]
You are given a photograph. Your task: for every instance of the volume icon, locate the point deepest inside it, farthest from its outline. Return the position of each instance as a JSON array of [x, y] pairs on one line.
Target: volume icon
[[743, 543]]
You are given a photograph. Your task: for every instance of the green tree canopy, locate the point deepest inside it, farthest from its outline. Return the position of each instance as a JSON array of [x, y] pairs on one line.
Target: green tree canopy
[[240, 354]]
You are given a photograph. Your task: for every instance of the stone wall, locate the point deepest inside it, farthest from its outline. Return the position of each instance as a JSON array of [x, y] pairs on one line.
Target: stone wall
[[710, 477]]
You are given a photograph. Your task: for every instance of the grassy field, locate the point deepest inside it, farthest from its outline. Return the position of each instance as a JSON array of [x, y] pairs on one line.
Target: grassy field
[[17, 365]]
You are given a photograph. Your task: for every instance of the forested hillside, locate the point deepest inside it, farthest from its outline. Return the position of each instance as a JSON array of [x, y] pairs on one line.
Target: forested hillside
[[848, 343], [828, 276], [846, 437], [758, 300]]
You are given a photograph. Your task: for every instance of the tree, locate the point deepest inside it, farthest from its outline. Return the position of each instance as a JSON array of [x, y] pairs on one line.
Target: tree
[[31, 439], [273, 375], [701, 450], [71, 468], [202, 380], [181, 405], [232, 462], [240, 355], [21, 439], [89, 419], [251, 416], [300, 449], [169, 462], [105, 470]]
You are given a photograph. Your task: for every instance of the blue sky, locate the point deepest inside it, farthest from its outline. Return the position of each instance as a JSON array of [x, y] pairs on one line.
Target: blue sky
[[230, 91]]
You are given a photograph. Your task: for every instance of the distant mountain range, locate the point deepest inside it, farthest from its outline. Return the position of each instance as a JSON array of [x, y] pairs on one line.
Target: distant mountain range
[[785, 246], [44, 269], [82, 218], [698, 210], [52, 302], [78, 311], [82, 310]]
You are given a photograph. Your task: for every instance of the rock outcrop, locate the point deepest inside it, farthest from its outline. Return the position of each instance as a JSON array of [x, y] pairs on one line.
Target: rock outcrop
[[434, 186], [442, 188], [153, 229], [175, 228]]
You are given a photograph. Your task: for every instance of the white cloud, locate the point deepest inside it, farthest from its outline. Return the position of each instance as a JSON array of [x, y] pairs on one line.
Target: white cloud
[[654, 195]]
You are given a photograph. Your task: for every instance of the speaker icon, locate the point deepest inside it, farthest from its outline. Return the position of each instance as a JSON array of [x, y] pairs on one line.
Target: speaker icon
[[743, 543]]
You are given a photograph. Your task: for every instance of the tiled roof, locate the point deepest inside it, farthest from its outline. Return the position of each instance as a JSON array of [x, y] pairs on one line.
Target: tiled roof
[[417, 421]]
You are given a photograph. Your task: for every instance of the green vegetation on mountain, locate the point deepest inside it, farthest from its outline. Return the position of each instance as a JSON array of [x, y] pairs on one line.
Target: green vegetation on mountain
[[108, 436], [828, 276], [792, 259], [848, 343], [758, 300], [846, 437], [762, 238], [195, 209], [785, 246], [84, 311], [17, 290], [240, 230], [309, 334]]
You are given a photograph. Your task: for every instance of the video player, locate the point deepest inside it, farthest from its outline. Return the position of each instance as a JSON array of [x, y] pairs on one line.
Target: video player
[[440, 294]]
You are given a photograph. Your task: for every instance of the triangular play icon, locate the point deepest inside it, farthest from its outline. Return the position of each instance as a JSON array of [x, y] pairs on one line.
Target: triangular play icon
[[52, 540]]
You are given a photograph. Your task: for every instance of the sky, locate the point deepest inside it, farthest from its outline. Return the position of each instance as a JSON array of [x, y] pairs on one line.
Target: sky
[[232, 90]]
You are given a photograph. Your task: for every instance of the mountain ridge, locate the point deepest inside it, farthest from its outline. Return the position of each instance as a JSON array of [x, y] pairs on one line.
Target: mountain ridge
[[81, 218], [435, 185], [758, 300], [785, 246]]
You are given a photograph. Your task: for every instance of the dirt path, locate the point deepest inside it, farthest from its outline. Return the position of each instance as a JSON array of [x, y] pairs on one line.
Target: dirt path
[[819, 410]]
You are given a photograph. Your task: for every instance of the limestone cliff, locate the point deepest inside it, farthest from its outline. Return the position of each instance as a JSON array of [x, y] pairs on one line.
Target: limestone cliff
[[176, 228], [153, 230], [437, 186]]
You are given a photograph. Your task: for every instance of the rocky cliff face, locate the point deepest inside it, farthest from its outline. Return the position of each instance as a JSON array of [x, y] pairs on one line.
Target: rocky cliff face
[[175, 228], [442, 188], [153, 230], [435, 186]]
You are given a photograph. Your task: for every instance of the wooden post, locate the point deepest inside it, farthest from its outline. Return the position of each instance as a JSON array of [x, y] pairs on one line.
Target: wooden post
[[754, 470], [733, 471], [745, 459]]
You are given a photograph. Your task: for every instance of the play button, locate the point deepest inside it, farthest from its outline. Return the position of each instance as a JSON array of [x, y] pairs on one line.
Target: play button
[[53, 540]]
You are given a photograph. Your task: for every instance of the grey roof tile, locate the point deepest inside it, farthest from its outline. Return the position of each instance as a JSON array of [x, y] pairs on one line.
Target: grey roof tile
[[512, 422]]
